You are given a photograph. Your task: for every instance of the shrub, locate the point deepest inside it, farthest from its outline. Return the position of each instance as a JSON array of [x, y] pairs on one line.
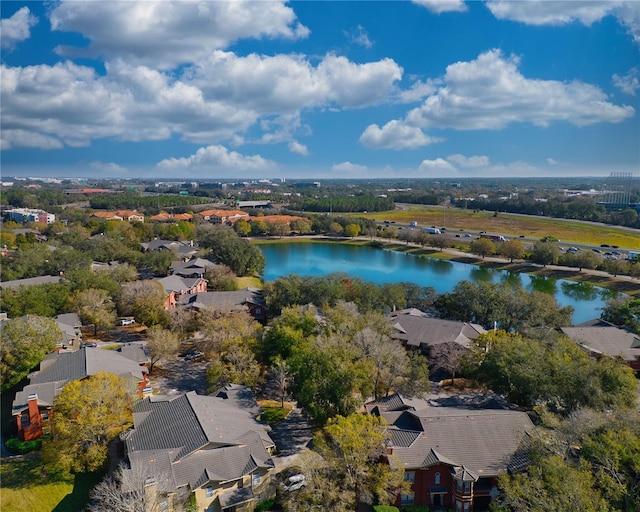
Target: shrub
[[415, 508], [385, 508], [265, 505], [21, 447]]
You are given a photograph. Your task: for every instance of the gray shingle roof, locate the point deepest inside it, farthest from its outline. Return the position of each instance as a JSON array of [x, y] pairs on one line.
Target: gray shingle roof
[[84, 362], [419, 329], [608, 340], [196, 439], [220, 299], [30, 281], [133, 351], [46, 392], [483, 441]]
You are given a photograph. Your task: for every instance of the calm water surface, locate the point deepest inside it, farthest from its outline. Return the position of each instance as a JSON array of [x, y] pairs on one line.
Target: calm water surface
[[385, 266]]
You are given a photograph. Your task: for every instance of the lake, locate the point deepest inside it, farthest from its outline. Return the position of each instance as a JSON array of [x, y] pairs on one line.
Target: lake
[[386, 266]]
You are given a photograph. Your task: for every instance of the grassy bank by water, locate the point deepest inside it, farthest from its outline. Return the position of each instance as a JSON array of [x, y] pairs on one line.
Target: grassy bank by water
[[512, 225]]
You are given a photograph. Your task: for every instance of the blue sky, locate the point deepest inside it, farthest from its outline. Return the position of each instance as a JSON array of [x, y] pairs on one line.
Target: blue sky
[[235, 89]]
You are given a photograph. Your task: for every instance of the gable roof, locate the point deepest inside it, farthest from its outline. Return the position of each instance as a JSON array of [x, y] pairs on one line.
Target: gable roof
[[220, 299], [196, 439], [30, 281], [46, 392], [608, 340], [416, 329], [66, 366], [484, 442]]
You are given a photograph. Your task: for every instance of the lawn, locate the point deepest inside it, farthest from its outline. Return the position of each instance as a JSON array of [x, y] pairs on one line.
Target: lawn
[[512, 225], [273, 413], [26, 485]]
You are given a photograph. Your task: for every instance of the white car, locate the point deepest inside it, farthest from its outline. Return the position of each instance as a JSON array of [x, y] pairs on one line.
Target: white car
[[295, 482], [126, 321]]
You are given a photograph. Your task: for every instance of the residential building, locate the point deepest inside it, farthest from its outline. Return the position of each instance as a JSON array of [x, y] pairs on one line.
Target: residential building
[[30, 281], [223, 216], [250, 299], [178, 289], [183, 250], [70, 325], [452, 456], [24, 215], [205, 445], [416, 329], [130, 215], [195, 267], [32, 406], [600, 338]]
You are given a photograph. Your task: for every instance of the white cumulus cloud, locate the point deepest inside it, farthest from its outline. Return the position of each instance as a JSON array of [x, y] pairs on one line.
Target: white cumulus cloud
[[440, 6], [349, 169], [165, 34], [296, 147], [359, 36], [439, 164], [628, 83], [545, 12], [491, 93], [216, 158], [469, 161], [16, 28], [395, 135]]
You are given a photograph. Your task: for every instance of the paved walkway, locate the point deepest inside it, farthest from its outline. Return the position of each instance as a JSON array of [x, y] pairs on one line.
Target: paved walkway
[[292, 436]]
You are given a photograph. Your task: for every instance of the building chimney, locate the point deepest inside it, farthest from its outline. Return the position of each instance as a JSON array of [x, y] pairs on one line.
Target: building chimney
[[34, 413]]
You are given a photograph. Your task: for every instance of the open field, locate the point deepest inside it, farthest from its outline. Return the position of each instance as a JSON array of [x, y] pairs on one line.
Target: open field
[[512, 225], [26, 485]]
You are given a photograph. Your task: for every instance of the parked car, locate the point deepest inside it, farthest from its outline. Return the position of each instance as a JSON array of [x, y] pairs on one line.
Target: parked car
[[126, 321], [90, 344], [295, 482]]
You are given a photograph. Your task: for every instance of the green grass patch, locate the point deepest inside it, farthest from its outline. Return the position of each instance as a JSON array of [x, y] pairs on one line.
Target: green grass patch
[[28, 485], [512, 225], [244, 282], [273, 413]]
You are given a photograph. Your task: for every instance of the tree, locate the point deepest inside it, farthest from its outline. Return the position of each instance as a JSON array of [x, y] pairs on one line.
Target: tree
[[226, 247], [44, 300], [354, 467], [281, 374], [447, 358], [220, 278], [440, 241], [145, 301], [162, 344], [134, 490], [89, 414], [222, 329], [352, 230], [95, 307], [513, 249], [545, 253], [623, 311], [242, 227], [483, 247], [302, 226], [336, 229], [25, 342], [552, 484], [279, 229], [237, 365]]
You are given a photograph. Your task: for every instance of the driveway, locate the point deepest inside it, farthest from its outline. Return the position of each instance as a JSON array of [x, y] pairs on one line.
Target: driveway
[[292, 436]]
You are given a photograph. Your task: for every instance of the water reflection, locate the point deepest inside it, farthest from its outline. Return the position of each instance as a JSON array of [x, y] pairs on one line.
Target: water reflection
[[478, 274], [511, 279], [542, 284], [579, 291]]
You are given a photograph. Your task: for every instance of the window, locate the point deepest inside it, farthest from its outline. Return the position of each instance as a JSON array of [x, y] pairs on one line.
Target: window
[[209, 492], [255, 478], [459, 485], [406, 499], [458, 506], [436, 479], [467, 487], [466, 507], [409, 476]]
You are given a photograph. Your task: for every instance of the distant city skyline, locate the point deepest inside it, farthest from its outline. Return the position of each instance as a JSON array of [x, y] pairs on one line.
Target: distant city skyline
[[326, 90]]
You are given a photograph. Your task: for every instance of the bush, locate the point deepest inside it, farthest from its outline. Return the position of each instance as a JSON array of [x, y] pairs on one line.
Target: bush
[[21, 447], [265, 505], [415, 508], [385, 508]]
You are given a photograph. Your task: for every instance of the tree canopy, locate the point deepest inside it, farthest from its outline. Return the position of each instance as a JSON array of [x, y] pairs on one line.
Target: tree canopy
[[25, 342], [89, 414]]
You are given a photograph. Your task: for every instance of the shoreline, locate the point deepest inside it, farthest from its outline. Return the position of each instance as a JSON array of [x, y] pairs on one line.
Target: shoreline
[[622, 284]]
